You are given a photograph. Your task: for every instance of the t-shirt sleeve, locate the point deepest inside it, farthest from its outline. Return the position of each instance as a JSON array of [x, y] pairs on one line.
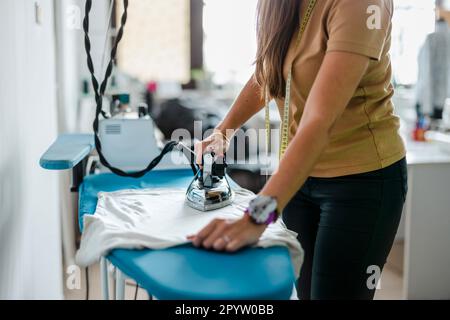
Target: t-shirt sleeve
[[359, 26]]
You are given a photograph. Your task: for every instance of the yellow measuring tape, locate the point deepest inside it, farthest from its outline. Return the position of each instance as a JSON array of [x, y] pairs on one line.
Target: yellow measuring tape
[[284, 133]]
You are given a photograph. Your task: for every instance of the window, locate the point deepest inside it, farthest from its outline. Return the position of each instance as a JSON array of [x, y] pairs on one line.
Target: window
[[156, 42], [230, 38], [413, 21]]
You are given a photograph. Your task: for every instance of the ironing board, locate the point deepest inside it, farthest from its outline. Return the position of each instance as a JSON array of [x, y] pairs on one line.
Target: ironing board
[[183, 272]]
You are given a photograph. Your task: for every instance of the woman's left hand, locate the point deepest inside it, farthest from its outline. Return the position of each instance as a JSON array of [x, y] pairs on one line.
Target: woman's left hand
[[225, 235]]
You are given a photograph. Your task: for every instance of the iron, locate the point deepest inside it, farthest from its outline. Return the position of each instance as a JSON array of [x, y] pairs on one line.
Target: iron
[[210, 189]]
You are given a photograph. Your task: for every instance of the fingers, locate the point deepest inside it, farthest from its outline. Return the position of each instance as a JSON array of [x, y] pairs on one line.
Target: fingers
[[245, 234], [216, 234], [230, 243], [214, 143], [204, 233], [237, 239], [231, 235], [235, 245], [221, 243], [232, 239], [225, 235], [201, 148], [198, 150]]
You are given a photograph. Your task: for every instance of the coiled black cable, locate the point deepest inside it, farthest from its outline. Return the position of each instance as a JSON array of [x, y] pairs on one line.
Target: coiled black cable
[[100, 91]]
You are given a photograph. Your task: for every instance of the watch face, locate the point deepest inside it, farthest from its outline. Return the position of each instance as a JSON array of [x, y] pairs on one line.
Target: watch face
[[264, 217], [261, 208]]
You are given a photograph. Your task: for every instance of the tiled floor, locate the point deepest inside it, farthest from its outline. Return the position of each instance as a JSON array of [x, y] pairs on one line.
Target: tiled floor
[[391, 282]]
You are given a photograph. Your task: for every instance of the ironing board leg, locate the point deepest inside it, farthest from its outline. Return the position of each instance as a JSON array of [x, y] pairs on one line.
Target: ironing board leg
[[120, 285], [104, 278]]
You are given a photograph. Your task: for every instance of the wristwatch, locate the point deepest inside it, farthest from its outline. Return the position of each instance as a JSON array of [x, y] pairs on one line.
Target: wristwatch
[[263, 210]]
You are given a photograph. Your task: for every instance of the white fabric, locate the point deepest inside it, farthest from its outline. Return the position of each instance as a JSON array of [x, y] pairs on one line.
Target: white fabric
[[159, 219]]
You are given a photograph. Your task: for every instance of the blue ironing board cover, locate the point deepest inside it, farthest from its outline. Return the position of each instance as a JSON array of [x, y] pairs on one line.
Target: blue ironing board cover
[[186, 272], [67, 151]]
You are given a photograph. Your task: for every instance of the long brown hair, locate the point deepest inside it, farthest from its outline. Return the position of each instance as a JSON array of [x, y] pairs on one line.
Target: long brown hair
[[276, 24]]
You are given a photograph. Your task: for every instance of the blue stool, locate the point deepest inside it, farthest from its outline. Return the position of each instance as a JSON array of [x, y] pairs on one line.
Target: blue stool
[[182, 272]]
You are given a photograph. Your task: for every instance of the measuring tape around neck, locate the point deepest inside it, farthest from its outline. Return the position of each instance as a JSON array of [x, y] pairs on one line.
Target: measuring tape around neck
[[284, 132]]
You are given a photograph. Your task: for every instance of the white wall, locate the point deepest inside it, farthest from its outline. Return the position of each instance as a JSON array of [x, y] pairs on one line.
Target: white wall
[[30, 247], [71, 54], [68, 16]]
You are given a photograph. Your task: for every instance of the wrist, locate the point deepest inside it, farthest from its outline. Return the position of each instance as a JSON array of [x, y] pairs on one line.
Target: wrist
[[248, 220], [227, 134], [221, 127], [270, 191], [272, 218], [263, 210]]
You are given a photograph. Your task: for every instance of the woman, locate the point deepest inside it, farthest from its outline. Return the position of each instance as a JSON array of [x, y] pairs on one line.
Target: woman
[[341, 183]]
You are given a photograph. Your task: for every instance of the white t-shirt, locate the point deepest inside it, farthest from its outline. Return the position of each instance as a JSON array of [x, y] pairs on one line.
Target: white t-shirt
[[159, 219]]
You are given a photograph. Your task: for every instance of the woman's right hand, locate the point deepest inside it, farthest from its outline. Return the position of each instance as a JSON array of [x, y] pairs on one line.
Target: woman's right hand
[[217, 142]]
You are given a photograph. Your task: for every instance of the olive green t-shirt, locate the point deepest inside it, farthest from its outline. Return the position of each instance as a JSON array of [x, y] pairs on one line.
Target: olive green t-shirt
[[366, 136]]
